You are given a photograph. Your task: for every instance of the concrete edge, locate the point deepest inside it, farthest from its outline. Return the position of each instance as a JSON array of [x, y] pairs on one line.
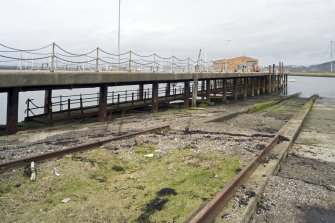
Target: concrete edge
[[260, 177]]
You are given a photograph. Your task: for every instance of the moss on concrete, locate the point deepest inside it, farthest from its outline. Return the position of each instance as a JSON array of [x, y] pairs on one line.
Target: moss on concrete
[[261, 106]]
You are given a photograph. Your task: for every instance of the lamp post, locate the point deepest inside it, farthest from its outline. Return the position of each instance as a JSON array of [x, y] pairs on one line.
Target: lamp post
[[119, 27]]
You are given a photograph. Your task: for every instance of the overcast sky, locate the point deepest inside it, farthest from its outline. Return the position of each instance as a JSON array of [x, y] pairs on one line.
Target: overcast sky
[[293, 31]]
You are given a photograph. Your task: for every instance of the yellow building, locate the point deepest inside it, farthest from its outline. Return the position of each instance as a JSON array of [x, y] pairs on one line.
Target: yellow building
[[236, 64]]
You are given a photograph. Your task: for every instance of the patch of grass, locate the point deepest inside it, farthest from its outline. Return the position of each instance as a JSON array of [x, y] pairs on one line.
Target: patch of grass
[[5, 188], [167, 188], [144, 149], [261, 106]]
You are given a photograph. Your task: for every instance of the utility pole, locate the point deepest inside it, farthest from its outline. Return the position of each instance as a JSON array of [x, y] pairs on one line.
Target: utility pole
[[119, 27], [331, 55]]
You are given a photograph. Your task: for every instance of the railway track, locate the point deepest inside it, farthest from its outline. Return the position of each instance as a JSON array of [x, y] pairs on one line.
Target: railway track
[[209, 211], [49, 155]]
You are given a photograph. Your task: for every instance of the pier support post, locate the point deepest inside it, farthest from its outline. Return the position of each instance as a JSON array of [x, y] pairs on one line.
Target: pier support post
[[141, 91], [245, 85], [263, 85], [47, 102], [258, 79], [186, 94], [208, 91], [269, 81], [102, 113], [274, 78], [195, 90], [253, 86], [154, 100], [12, 110], [235, 89], [202, 90], [168, 89], [224, 91]]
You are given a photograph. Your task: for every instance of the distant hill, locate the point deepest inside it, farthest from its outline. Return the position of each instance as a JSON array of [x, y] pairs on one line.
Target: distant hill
[[323, 67]]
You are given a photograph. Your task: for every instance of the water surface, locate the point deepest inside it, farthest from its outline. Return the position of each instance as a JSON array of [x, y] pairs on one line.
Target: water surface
[[323, 86]]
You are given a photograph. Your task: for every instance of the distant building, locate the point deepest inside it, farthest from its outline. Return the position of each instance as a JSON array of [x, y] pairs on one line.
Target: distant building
[[236, 64]]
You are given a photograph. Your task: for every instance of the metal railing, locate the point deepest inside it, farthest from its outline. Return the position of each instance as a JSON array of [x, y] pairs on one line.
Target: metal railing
[[53, 57], [81, 102]]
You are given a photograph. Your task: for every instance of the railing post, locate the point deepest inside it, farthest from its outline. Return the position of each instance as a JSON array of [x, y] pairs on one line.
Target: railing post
[[97, 61], [81, 105], [126, 96], [112, 97], [53, 58], [155, 65], [172, 64], [28, 109], [118, 100], [129, 65], [60, 103], [68, 107], [145, 97]]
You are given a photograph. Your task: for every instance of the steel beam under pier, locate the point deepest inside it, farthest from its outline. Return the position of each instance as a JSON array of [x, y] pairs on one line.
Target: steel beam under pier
[[12, 110], [102, 116], [154, 102]]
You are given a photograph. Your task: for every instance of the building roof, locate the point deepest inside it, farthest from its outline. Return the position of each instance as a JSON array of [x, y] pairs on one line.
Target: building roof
[[238, 58], [243, 58]]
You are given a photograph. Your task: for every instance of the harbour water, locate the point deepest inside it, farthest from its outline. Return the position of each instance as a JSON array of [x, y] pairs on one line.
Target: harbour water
[[308, 86]]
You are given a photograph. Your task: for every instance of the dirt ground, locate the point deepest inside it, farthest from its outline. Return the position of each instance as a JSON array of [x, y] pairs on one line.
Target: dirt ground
[[161, 177]]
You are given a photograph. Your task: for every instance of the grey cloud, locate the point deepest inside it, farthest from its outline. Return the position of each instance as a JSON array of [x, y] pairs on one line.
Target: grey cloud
[[293, 31]]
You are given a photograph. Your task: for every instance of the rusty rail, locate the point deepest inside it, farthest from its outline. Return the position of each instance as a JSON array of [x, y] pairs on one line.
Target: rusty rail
[[20, 162], [209, 211]]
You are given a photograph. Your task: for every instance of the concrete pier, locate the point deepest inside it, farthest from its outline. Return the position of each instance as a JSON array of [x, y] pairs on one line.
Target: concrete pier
[[13, 82]]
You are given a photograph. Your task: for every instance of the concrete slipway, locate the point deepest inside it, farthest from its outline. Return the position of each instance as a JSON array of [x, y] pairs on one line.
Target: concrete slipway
[[303, 190]]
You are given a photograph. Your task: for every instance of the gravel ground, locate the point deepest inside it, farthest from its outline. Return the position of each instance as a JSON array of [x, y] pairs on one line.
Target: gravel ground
[[234, 137]]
